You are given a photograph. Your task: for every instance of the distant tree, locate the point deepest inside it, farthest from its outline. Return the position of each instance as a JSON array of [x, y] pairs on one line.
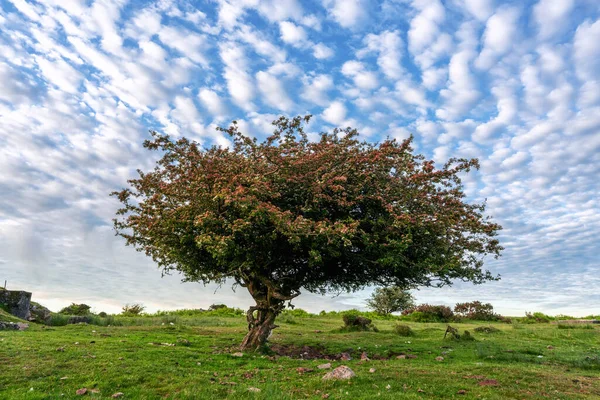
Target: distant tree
[[76, 309], [476, 310], [388, 300], [132, 309], [287, 214], [214, 307]]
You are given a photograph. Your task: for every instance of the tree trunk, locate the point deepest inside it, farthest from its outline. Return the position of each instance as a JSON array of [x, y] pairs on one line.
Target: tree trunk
[[259, 329]]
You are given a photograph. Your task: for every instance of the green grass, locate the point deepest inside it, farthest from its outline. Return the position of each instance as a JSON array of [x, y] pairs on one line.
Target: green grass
[[6, 317], [121, 359]]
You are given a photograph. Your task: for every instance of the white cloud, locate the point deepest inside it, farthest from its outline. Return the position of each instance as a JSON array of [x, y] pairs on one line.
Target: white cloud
[[212, 102], [335, 114], [363, 79], [316, 88], [239, 82], [551, 16], [388, 45], [274, 94], [322, 52], [292, 33], [481, 9], [424, 28], [500, 34], [347, 13], [587, 51]]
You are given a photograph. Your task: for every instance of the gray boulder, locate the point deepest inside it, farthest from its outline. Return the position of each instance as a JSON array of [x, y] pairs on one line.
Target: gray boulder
[[16, 302]]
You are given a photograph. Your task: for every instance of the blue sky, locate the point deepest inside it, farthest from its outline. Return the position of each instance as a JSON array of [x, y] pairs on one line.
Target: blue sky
[[513, 83]]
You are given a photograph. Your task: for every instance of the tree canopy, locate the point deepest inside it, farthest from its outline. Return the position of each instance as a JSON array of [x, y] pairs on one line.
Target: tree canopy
[[391, 299], [289, 213]]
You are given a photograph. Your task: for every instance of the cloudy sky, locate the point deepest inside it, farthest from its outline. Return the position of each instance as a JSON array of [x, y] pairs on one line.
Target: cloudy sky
[[514, 83]]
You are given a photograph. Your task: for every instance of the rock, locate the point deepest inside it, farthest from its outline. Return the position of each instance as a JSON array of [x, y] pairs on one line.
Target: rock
[[302, 370], [401, 357], [411, 356], [16, 302], [117, 395], [253, 389], [13, 326], [461, 391], [238, 354], [364, 356], [341, 372], [39, 313], [60, 349], [81, 392], [550, 347], [324, 366], [372, 370], [439, 358], [345, 357]]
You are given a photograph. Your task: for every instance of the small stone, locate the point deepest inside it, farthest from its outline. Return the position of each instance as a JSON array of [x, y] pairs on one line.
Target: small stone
[[401, 357], [420, 390], [461, 391], [63, 378], [345, 357], [488, 382], [81, 392], [60, 349], [254, 389], [371, 370], [439, 358], [341, 372], [324, 366], [117, 395], [388, 387], [550, 347], [302, 370], [364, 356], [325, 396], [411, 356], [238, 354]]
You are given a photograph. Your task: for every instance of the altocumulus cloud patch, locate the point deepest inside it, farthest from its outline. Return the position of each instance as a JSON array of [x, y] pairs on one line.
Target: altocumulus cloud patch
[[516, 85]]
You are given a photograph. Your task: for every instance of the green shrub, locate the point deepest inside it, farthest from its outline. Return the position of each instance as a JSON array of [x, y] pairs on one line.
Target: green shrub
[[58, 320], [297, 312], [133, 309], [76, 309], [355, 322], [536, 318], [486, 329], [102, 314], [476, 311], [403, 330], [429, 313]]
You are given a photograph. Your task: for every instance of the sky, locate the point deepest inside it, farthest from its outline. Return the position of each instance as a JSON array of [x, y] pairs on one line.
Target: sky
[[513, 83]]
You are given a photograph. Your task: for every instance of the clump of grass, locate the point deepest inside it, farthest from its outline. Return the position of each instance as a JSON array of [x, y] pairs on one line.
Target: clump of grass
[[486, 329], [403, 330], [575, 326]]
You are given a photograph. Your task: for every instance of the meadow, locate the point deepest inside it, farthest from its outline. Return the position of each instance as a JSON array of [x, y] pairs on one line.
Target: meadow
[[195, 356]]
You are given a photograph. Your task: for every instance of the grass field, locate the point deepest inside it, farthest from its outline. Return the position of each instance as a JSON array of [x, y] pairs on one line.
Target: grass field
[[192, 358]]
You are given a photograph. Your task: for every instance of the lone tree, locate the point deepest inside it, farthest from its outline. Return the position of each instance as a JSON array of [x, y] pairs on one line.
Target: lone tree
[[288, 214], [391, 299]]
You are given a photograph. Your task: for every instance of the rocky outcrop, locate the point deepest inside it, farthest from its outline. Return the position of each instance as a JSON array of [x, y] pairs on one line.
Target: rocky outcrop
[[16, 302], [13, 326], [39, 313]]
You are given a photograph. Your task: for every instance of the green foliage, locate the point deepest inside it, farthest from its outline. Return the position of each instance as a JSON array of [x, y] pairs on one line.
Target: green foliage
[[486, 329], [429, 313], [76, 309], [536, 318], [133, 309], [214, 307], [476, 311], [403, 330], [297, 312], [388, 300], [355, 322]]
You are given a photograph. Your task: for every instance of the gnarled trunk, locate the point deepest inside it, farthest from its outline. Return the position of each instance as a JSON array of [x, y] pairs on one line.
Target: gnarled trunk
[[259, 327], [261, 317]]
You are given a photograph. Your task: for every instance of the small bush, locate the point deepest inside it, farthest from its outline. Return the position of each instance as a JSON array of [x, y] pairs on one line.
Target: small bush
[[58, 320], [102, 314], [133, 309], [297, 312], [476, 311], [429, 313], [355, 322], [403, 330], [214, 307], [486, 329], [76, 309], [536, 318]]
